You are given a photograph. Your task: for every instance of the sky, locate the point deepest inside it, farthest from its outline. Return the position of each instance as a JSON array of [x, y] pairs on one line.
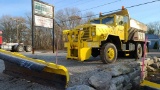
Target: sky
[[144, 13]]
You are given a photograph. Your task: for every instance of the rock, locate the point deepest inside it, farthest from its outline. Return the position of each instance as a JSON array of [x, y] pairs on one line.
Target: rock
[[127, 87], [80, 87], [150, 62], [134, 74], [147, 58], [158, 59], [112, 87], [151, 69], [144, 74], [117, 80], [136, 82], [126, 80], [144, 68], [134, 65], [119, 69], [156, 65], [145, 62], [101, 80], [120, 87], [155, 59]]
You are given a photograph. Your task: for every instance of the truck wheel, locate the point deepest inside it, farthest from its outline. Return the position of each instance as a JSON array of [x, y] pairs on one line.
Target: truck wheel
[[108, 53], [19, 48], [138, 51], [95, 52], [28, 48]]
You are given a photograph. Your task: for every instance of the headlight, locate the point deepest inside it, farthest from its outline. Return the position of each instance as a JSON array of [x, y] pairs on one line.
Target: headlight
[[93, 33]]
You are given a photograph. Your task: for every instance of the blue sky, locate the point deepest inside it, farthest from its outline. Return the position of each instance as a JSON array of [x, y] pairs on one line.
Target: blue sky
[[145, 13]]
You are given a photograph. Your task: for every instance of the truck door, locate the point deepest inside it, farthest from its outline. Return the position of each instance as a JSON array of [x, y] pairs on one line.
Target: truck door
[[120, 26]]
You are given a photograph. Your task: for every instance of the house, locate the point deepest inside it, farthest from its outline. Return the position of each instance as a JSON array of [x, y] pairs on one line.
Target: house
[[154, 41]]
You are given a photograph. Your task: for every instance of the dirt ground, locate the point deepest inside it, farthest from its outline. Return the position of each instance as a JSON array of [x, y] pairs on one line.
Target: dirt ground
[[79, 71]]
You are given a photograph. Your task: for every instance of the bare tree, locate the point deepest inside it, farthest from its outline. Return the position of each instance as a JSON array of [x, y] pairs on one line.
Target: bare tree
[[67, 18], [154, 28], [88, 16], [13, 28]]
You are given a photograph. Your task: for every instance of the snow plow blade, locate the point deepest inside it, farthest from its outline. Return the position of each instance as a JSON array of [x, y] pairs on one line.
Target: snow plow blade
[[35, 70]]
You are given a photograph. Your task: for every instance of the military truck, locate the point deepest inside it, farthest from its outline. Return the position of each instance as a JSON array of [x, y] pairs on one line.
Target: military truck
[[109, 35]]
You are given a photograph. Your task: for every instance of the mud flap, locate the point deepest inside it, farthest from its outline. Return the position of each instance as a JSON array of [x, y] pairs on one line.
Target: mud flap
[[34, 70]]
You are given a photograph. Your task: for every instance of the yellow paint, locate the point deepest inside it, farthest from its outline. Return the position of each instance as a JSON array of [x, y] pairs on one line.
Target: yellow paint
[[110, 53], [50, 67], [150, 84], [127, 54], [85, 53]]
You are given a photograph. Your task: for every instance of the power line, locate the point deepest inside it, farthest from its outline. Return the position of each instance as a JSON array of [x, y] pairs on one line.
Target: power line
[[119, 9], [84, 2], [100, 5], [72, 3]]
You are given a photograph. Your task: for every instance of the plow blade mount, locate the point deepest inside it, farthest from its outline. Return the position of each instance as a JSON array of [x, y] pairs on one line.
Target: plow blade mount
[[34, 70]]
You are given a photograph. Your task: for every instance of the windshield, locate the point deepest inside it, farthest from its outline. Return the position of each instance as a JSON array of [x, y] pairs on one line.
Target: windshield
[[95, 21], [108, 20]]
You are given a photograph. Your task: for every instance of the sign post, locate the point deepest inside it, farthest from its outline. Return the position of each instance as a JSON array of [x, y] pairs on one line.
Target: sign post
[[42, 16]]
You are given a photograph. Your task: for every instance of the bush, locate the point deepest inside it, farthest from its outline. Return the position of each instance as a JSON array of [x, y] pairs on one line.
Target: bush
[[156, 46]]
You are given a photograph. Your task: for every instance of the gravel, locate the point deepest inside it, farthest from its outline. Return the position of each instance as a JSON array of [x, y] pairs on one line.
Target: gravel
[[79, 71]]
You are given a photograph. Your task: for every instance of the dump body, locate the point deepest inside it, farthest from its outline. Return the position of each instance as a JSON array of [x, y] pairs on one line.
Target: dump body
[[108, 36]]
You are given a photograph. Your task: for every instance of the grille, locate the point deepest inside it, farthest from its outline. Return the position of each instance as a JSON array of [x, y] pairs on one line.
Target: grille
[[86, 33]]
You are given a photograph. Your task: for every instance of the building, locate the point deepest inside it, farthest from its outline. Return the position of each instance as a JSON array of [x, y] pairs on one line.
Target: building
[[153, 40]]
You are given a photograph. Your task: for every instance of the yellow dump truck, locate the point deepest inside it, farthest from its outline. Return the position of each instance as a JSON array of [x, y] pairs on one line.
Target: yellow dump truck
[[107, 36]]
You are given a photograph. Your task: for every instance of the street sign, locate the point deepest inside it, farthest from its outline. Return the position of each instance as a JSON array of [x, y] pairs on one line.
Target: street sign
[[43, 16], [43, 22], [43, 9]]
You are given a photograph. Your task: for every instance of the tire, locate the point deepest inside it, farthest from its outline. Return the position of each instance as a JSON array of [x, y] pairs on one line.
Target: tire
[[139, 51], [13, 49], [95, 52], [108, 53], [19, 48], [28, 48]]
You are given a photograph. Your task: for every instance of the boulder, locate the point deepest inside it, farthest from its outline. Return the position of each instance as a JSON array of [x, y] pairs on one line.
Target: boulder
[[134, 74], [155, 59], [156, 65], [127, 87], [144, 68], [145, 62], [136, 82], [158, 59], [126, 80], [120, 87], [145, 73], [101, 80], [80, 87], [112, 87], [119, 69], [151, 69], [117, 80], [150, 62]]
